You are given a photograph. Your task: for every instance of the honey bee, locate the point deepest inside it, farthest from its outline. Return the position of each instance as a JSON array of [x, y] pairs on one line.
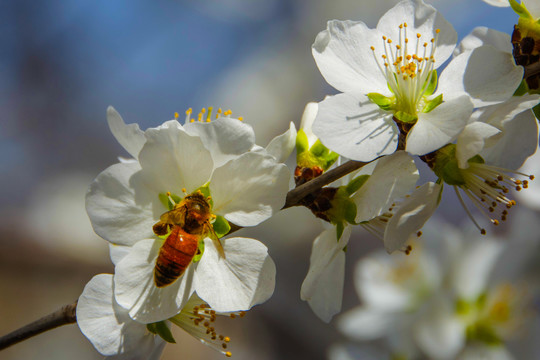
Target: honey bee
[[188, 223]]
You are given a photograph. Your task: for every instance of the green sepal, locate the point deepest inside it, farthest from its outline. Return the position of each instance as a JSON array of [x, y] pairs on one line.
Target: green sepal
[[319, 150], [161, 329], [432, 104], [339, 230], [482, 332], [381, 101], [200, 251], [302, 143], [520, 9], [446, 166], [432, 85], [522, 89], [343, 208], [536, 111], [476, 159], [318, 155], [405, 117], [166, 201], [356, 184], [462, 307], [221, 226]]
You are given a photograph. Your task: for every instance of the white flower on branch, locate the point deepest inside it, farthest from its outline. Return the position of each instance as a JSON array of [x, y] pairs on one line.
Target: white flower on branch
[[236, 181], [391, 91]]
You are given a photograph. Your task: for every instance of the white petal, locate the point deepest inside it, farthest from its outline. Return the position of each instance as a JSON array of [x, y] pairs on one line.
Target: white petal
[[225, 138], [471, 270], [501, 114], [246, 276], [533, 7], [308, 117], [365, 323], [323, 285], [498, 3], [439, 126], [115, 213], [531, 197], [118, 252], [411, 215], [344, 57], [131, 137], [354, 127], [394, 176], [135, 290], [471, 141], [440, 333], [486, 74], [423, 19], [107, 325], [482, 35], [249, 189], [282, 145], [171, 160]]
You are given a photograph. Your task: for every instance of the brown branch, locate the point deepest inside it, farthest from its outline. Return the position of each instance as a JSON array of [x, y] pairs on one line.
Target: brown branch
[[295, 195], [531, 70], [63, 316]]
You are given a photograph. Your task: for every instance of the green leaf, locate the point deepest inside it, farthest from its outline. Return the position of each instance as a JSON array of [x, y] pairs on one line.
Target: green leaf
[[339, 230], [432, 104], [432, 85], [221, 226], [381, 101], [406, 117], [302, 143], [356, 184], [160, 328], [200, 251]]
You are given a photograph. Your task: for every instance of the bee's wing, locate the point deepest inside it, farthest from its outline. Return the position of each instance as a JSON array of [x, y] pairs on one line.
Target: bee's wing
[[175, 216], [217, 243]]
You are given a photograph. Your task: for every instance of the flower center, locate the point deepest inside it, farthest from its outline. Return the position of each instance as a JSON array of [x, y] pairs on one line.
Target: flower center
[[408, 67], [206, 115]]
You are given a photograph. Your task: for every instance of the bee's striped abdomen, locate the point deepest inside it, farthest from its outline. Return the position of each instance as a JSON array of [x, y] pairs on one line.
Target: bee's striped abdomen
[[175, 256]]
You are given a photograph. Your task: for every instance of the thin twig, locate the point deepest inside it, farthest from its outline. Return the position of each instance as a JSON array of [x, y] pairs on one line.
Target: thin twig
[[66, 315], [295, 195], [63, 316]]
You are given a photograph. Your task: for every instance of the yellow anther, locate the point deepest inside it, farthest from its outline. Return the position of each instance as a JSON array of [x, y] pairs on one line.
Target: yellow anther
[[184, 190], [384, 37], [228, 354], [232, 316], [398, 47], [240, 118], [425, 44], [168, 193], [406, 40], [389, 41], [203, 110], [176, 115], [192, 120], [418, 36], [373, 48], [437, 31], [226, 339], [189, 111], [401, 26], [409, 57]]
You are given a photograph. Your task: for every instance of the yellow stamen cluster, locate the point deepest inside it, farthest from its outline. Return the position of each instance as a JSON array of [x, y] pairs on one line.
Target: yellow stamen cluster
[[407, 69], [199, 322], [205, 115], [487, 187]]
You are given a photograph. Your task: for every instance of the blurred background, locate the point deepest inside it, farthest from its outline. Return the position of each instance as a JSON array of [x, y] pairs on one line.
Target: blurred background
[[63, 62]]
